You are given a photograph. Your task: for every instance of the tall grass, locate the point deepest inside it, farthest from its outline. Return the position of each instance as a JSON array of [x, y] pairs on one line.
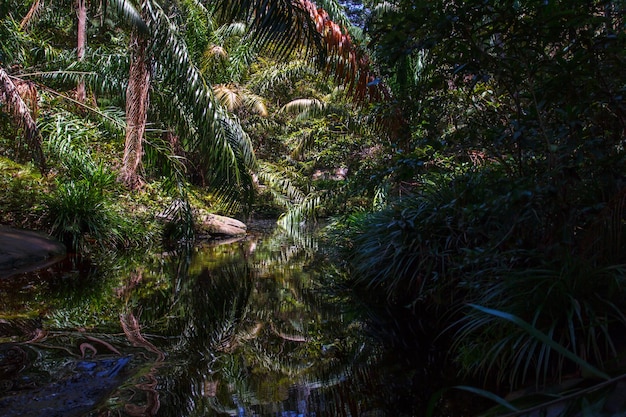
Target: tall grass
[[78, 212]]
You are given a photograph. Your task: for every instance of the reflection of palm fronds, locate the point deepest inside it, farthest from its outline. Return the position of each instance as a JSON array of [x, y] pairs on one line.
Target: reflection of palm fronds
[[220, 300], [132, 330], [292, 337], [279, 362]]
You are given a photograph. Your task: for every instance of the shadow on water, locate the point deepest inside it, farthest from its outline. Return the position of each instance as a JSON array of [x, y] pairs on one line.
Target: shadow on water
[[245, 328]]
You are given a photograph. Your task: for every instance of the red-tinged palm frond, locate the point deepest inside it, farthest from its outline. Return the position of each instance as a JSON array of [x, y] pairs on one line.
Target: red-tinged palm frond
[[336, 12], [275, 23], [12, 103], [349, 64]]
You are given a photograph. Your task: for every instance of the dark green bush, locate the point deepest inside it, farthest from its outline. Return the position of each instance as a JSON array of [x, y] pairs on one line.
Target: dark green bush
[[508, 245]]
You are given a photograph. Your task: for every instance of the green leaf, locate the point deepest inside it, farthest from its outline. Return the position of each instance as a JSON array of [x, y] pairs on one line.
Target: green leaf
[[543, 338], [130, 14], [486, 394]]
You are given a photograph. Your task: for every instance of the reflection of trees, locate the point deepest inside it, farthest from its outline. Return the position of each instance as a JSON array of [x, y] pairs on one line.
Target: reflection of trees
[[148, 386], [252, 331], [235, 329]]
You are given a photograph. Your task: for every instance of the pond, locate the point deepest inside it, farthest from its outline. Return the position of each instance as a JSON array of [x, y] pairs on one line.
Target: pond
[[250, 327]]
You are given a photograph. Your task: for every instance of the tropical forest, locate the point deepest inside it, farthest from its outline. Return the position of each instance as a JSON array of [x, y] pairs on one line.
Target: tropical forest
[[312, 208]]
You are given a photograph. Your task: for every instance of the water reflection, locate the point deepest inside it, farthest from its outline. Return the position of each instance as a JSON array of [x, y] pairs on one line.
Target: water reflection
[[240, 329]]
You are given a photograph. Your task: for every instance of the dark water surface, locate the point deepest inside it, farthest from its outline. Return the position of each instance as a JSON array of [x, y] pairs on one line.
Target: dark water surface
[[246, 328]]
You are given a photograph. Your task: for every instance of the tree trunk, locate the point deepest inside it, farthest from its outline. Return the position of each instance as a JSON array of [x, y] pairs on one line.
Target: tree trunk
[[137, 100], [81, 13], [14, 105]]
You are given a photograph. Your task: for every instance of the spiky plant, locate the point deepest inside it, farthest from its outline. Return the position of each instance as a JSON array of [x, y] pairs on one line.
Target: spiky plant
[[575, 304]]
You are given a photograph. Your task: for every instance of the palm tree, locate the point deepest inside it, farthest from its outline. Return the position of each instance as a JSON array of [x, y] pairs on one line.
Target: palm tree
[[80, 6], [137, 96], [226, 151], [224, 146]]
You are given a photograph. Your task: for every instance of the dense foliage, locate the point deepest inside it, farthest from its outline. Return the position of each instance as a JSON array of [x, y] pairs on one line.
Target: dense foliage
[[471, 152], [505, 219]]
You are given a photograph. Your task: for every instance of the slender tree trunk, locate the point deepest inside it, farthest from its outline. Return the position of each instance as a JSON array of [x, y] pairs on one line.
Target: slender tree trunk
[[14, 105], [137, 101], [81, 13]]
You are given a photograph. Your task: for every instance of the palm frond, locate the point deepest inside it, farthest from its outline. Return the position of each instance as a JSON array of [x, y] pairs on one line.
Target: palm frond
[[305, 108], [303, 104], [224, 151], [301, 213], [228, 95], [213, 56], [33, 12], [12, 103], [336, 12], [349, 64], [267, 79], [130, 15], [301, 207], [230, 32], [241, 59], [281, 24], [279, 184], [384, 7], [304, 142], [234, 97], [13, 48]]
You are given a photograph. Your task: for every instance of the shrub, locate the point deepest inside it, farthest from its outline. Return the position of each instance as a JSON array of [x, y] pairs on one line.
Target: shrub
[[77, 211], [511, 245]]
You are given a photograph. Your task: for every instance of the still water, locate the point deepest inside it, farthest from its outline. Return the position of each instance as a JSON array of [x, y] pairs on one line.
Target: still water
[[252, 327]]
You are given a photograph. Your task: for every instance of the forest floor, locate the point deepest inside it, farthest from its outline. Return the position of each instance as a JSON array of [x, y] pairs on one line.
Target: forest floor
[[22, 251]]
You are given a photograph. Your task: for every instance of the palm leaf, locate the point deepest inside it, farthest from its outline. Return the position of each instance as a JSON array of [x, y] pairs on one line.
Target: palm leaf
[[130, 15], [224, 151], [310, 106], [12, 103], [545, 339], [274, 24], [269, 78], [336, 11], [33, 12]]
